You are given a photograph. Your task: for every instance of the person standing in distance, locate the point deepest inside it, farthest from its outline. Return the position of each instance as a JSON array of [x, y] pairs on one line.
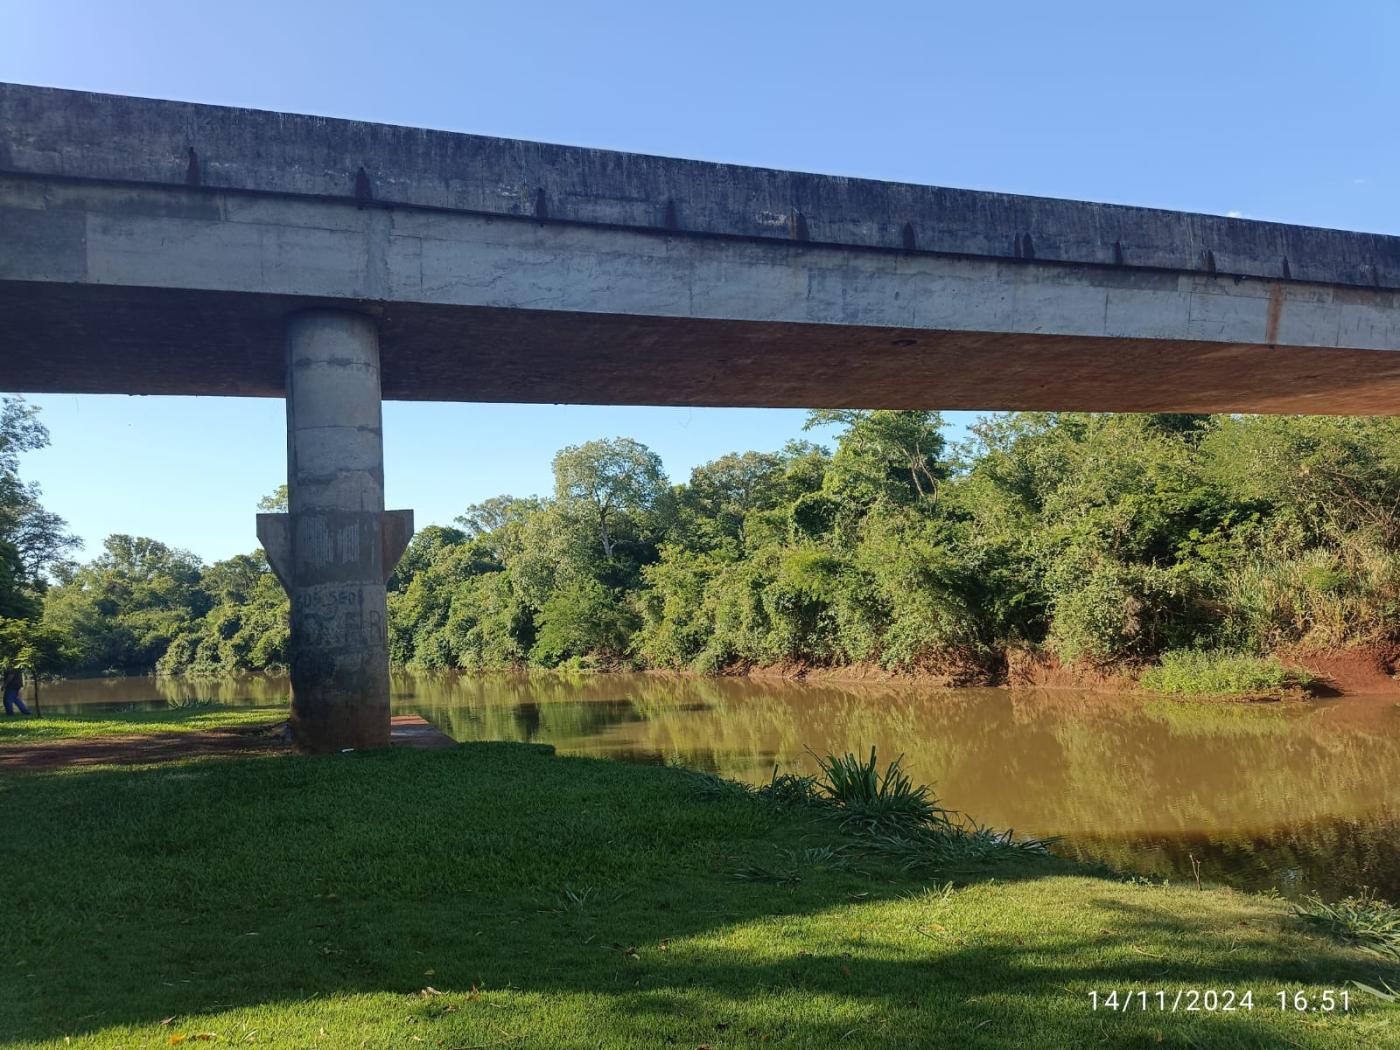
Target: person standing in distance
[[13, 681]]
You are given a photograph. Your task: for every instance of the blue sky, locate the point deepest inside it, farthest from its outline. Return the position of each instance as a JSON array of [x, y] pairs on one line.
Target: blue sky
[[1272, 111]]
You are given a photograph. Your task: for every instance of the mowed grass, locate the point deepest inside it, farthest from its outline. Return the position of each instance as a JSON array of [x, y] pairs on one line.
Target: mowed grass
[[18, 729], [497, 895]]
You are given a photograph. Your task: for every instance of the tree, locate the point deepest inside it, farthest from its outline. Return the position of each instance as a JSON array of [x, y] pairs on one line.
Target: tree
[[723, 492], [885, 453], [245, 629], [497, 513], [32, 646], [274, 502], [607, 478], [500, 522], [123, 609], [33, 541], [583, 619]]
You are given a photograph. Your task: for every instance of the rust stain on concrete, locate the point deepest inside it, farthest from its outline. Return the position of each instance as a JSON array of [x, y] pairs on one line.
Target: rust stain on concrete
[[1275, 314]]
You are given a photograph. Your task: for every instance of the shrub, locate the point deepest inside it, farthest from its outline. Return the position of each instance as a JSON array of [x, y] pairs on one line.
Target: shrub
[[896, 820], [582, 619], [1363, 920], [874, 801]]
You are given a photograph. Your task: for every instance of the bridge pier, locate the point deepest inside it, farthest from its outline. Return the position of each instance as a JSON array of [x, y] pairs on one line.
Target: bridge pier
[[335, 548]]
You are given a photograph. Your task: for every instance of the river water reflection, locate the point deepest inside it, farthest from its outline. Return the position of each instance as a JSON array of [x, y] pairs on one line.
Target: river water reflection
[[1301, 796]]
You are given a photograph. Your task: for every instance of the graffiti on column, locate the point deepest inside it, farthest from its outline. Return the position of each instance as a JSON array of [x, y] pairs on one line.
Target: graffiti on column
[[338, 618]]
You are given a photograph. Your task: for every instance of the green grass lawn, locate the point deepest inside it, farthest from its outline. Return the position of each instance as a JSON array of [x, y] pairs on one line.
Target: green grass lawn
[[497, 895], [30, 730]]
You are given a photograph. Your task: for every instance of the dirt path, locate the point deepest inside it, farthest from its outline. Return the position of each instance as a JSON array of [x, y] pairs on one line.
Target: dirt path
[[145, 749]]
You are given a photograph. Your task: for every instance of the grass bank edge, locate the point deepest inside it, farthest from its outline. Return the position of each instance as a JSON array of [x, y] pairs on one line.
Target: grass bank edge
[[182, 718]]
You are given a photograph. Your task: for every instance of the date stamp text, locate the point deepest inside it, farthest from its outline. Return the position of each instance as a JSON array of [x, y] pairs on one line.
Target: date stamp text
[[1218, 1000]]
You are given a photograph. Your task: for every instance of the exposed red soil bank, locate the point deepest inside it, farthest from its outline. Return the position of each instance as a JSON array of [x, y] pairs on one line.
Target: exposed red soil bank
[[1365, 670], [144, 749], [1368, 670]]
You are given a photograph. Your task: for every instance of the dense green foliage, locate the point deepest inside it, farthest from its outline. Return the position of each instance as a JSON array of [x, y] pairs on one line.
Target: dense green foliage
[[123, 609], [496, 895], [33, 542], [1106, 540], [143, 605], [1199, 672]]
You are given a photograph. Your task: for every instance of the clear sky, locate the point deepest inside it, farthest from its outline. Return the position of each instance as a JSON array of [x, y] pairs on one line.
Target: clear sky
[[1265, 109]]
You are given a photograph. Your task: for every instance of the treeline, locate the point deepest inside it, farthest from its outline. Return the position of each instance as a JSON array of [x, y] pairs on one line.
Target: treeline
[[33, 543], [1103, 539]]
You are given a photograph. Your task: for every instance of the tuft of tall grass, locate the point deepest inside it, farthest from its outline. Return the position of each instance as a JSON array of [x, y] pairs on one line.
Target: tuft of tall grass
[[1320, 598], [935, 848], [1385, 993], [894, 819], [885, 814], [790, 789], [712, 787], [572, 900], [1364, 920], [1197, 672], [791, 862], [877, 801]]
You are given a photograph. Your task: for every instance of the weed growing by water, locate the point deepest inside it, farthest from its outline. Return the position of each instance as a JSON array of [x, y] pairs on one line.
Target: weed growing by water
[[1196, 672], [1364, 920], [790, 789], [714, 788], [876, 802], [885, 814], [934, 848], [900, 821]]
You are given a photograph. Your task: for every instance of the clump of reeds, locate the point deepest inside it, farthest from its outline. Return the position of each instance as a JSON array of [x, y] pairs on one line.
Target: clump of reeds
[[874, 801], [885, 812]]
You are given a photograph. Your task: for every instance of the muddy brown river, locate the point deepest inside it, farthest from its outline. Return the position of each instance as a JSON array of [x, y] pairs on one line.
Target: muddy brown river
[[1299, 797]]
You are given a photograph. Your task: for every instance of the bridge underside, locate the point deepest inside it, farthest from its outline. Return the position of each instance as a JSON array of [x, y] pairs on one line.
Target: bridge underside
[[76, 338]]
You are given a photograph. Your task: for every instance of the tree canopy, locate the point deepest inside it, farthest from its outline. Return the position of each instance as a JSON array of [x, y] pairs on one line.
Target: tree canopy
[[1103, 539], [34, 542]]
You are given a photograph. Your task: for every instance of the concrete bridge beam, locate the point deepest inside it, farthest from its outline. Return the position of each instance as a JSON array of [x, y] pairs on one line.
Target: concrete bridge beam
[[335, 548]]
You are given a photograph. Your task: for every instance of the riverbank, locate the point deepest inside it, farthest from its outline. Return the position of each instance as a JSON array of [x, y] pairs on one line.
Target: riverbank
[[1372, 670], [500, 895], [1362, 671]]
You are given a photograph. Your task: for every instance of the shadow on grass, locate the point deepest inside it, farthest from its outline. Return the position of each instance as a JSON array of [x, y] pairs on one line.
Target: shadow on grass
[[186, 890]]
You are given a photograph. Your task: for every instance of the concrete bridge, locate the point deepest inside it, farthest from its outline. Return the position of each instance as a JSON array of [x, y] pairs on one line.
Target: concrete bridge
[[151, 247]]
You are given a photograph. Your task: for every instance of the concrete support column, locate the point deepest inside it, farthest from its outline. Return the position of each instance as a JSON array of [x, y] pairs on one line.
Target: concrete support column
[[336, 547]]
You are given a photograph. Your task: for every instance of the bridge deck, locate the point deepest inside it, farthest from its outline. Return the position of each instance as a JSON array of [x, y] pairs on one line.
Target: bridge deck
[[154, 247]]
